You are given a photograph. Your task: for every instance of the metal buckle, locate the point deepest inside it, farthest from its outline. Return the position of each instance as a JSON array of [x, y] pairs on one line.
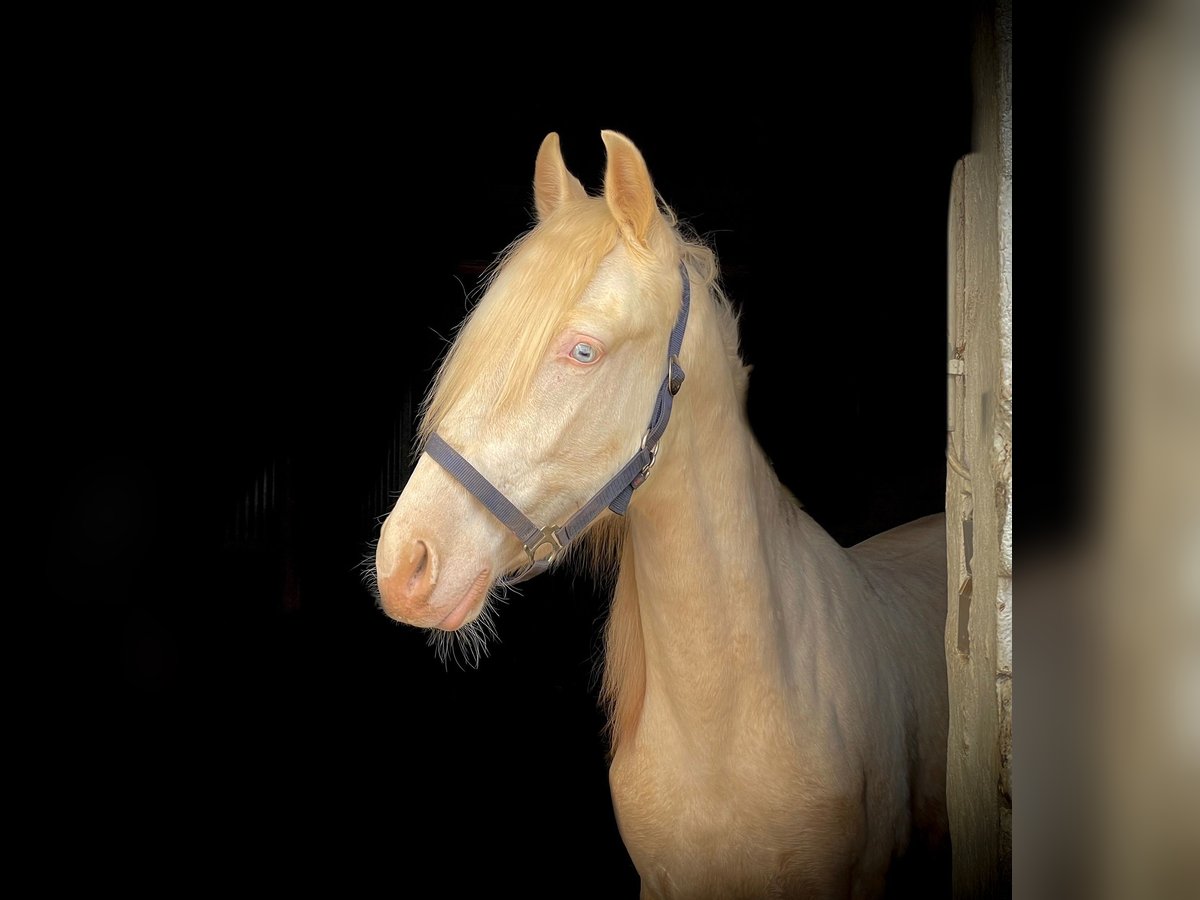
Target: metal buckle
[[548, 535], [640, 478]]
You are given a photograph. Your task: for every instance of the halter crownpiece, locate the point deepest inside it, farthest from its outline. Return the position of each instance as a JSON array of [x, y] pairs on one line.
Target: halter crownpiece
[[617, 491]]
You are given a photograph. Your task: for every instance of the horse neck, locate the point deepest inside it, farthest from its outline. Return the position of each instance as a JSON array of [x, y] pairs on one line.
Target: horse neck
[[718, 559]]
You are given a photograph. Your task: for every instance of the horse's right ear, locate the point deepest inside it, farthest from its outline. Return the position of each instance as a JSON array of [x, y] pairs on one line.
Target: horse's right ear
[[552, 183]]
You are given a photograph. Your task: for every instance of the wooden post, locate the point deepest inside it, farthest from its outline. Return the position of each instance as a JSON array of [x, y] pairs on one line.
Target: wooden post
[[979, 478]]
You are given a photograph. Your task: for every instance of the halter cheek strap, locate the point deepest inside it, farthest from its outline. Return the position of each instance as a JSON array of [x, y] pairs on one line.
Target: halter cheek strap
[[617, 491]]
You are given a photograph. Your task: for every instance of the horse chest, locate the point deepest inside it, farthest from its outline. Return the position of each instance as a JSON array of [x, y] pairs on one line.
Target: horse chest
[[734, 821]]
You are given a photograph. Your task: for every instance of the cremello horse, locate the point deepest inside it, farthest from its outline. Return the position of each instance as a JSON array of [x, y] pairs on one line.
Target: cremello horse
[[777, 703]]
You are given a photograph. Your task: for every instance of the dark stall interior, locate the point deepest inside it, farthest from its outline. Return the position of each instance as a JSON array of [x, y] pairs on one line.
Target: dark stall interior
[[275, 255]]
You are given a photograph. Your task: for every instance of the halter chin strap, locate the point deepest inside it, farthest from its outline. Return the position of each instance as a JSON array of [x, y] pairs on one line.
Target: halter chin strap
[[615, 494]]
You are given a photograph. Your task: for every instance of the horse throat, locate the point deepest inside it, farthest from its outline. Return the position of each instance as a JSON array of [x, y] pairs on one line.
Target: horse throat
[[694, 612]]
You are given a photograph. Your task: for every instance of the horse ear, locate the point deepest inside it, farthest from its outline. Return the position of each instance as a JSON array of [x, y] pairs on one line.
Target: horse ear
[[627, 187], [552, 183]]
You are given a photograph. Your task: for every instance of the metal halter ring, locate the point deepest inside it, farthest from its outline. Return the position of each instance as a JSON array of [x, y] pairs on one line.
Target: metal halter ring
[[548, 535], [640, 478], [653, 451]]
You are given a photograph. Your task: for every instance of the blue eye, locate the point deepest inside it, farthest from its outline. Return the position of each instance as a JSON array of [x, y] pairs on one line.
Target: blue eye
[[584, 352]]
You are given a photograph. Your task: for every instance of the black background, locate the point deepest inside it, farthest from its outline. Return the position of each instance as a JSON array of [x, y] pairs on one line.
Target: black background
[[272, 246]]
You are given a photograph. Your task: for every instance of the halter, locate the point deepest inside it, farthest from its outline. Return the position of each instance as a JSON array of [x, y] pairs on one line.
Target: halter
[[616, 492]]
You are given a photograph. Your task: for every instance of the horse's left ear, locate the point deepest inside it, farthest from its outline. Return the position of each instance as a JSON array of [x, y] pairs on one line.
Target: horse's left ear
[[628, 189]]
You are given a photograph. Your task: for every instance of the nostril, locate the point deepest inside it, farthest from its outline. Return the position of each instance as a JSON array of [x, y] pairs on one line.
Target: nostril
[[406, 580], [421, 561]]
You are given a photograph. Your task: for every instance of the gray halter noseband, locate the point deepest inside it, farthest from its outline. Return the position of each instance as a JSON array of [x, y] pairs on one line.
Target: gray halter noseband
[[615, 494]]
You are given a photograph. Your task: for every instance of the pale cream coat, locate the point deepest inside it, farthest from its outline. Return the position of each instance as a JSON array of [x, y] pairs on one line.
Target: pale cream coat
[[778, 703]]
